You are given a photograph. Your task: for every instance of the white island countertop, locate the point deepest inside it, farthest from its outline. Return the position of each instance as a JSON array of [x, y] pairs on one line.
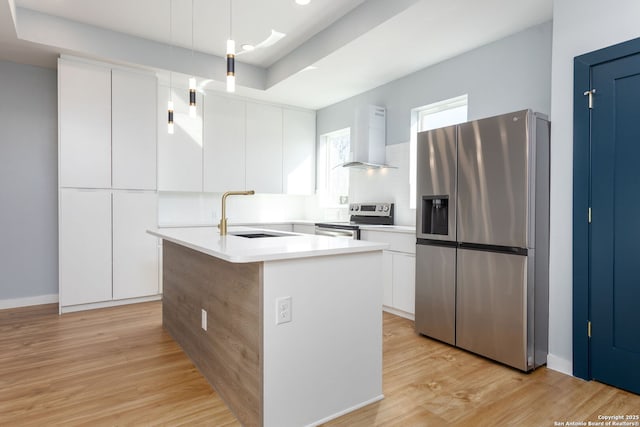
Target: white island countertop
[[239, 249]]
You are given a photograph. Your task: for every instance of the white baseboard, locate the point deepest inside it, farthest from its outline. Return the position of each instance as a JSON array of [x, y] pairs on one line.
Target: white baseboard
[[105, 304], [25, 302], [559, 364], [397, 312], [346, 411]]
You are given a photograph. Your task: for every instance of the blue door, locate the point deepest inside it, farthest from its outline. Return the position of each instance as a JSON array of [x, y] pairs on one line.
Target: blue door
[[614, 257]]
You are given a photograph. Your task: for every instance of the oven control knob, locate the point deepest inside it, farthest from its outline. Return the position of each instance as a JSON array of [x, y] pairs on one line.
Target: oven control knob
[[356, 207]]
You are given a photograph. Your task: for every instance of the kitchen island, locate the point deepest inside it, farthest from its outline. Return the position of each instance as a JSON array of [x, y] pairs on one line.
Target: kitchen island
[[287, 329]]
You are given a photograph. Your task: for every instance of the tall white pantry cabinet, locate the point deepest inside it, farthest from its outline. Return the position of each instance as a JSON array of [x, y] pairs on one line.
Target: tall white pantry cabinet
[[107, 185]]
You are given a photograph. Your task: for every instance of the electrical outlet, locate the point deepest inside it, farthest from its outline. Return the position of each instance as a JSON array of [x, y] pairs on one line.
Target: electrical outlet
[[283, 310], [203, 322]]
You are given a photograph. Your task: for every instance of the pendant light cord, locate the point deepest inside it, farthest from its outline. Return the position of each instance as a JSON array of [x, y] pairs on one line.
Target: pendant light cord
[[192, 19], [230, 20], [170, 45]]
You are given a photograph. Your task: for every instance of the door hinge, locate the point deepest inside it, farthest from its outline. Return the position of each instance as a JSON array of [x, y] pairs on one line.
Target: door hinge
[[589, 328], [590, 94], [589, 215]]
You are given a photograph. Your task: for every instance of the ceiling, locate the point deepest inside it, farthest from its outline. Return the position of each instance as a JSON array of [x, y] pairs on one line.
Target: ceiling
[[352, 45]]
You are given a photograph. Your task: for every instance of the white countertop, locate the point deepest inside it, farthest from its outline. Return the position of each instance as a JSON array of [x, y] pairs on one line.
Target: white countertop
[[242, 249]]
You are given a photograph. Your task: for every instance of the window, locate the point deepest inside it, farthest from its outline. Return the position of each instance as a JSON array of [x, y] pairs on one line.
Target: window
[[333, 180], [439, 114]]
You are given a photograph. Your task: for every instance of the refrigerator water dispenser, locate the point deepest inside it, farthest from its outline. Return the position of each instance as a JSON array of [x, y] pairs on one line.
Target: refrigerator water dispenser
[[435, 215]]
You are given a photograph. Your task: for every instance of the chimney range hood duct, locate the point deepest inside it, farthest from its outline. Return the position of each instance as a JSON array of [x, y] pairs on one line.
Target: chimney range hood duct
[[368, 139]]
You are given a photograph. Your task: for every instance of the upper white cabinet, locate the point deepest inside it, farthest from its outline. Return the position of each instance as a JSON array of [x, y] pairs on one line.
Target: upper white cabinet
[[264, 148], [133, 131], [135, 252], [84, 97], [299, 139], [84, 246], [180, 154], [224, 144]]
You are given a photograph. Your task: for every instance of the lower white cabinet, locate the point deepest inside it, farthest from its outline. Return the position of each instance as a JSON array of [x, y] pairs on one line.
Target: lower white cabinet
[[404, 282], [399, 271], [105, 253], [387, 279], [135, 252], [84, 246]]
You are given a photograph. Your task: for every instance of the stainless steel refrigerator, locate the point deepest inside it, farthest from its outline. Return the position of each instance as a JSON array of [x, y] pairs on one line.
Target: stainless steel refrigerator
[[482, 231]]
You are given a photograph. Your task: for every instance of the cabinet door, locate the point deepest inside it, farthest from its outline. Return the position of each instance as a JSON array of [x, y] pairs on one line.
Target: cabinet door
[[404, 282], [264, 148], [85, 246], [133, 138], [224, 144], [299, 142], [135, 252], [387, 278], [180, 154], [84, 121]]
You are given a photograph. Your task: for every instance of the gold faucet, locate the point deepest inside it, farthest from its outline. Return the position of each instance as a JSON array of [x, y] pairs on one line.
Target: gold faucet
[[223, 220]]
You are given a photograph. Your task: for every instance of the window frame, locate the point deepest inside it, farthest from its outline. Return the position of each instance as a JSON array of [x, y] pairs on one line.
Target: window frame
[[323, 170]]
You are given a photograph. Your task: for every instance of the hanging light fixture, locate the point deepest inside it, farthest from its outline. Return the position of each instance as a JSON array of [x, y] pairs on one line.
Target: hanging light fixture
[[192, 80], [231, 57], [170, 127]]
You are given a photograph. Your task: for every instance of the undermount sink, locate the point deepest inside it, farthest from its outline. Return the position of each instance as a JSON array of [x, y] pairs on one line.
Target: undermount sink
[[255, 235]]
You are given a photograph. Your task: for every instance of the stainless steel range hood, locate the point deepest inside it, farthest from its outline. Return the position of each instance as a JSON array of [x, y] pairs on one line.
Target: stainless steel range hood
[[368, 139]]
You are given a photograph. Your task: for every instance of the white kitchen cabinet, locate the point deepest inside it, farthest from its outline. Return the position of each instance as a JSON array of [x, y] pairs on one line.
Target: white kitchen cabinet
[[387, 278], [84, 246], [84, 120], [399, 264], [224, 144], [404, 282], [133, 131], [180, 154], [264, 148], [299, 147], [135, 252], [304, 228]]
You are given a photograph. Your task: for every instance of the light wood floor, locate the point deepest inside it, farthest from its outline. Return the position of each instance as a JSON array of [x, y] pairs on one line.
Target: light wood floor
[[117, 366]]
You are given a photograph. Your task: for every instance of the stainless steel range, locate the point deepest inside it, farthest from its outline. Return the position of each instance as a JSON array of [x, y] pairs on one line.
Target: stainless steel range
[[360, 213]]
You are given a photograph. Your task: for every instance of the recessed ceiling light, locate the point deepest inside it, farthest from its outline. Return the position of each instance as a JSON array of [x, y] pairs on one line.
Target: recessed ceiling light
[[248, 47], [303, 2]]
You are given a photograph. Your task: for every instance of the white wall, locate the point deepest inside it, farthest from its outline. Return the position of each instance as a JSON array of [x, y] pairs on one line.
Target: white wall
[[579, 26], [510, 74], [382, 185], [28, 185]]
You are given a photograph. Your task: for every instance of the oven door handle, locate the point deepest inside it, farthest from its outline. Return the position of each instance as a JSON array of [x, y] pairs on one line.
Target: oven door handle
[[351, 234]]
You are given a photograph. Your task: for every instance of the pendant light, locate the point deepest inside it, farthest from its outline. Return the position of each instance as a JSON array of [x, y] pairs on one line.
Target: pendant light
[[170, 126], [231, 57], [192, 80]]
